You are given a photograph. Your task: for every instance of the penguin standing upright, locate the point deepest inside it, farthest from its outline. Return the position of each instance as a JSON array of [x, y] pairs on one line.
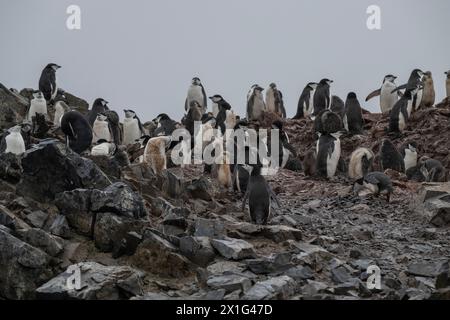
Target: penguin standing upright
[[429, 96], [61, 108], [78, 131], [376, 183], [353, 119], [387, 98], [447, 83], [215, 104], [260, 197], [165, 126], [274, 101], [390, 158], [415, 81], [255, 103], [196, 92], [327, 122], [132, 128], [101, 129], [328, 154], [13, 141], [338, 106], [409, 154], [194, 114], [155, 153], [114, 125], [305, 106], [402, 110], [322, 96], [100, 105], [47, 82], [221, 118], [285, 148], [361, 162], [37, 105]]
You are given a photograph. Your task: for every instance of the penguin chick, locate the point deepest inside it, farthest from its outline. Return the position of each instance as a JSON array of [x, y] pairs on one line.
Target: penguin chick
[[309, 163], [305, 106], [376, 183], [361, 162], [274, 101], [433, 170], [353, 119], [155, 153], [409, 154], [260, 197], [390, 158], [223, 170], [322, 96], [101, 129], [338, 106], [429, 95], [447, 83], [327, 122], [255, 103]]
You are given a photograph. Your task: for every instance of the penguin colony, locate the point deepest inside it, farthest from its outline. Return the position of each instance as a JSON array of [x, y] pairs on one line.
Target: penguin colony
[[100, 133]]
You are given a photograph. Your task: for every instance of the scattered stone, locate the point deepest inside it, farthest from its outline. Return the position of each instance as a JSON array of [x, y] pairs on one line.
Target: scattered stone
[[274, 288], [37, 218], [60, 227], [230, 282], [235, 249], [40, 239], [424, 269], [209, 228], [198, 250], [200, 189], [281, 233], [275, 263]]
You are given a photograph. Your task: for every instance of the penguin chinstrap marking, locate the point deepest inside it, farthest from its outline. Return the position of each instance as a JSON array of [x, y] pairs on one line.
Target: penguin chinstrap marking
[[409, 154], [255, 103], [353, 119], [37, 105], [375, 183], [429, 95], [328, 154], [196, 92], [305, 106], [447, 83], [13, 142], [155, 153], [47, 82], [101, 129], [260, 197], [388, 98], [132, 127], [361, 162], [274, 101], [100, 105], [78, 131], [402, 110], [322, 96], [415, 81], [390, 158]]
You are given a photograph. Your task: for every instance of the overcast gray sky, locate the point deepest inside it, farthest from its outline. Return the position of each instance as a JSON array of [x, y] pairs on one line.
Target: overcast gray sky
[[142, 54]]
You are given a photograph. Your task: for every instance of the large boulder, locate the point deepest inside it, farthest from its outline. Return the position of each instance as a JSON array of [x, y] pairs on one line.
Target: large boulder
[[10, 167], [13, 108], [433, 203], [23, 267], [50, 168], [97, 282], [274, 288]]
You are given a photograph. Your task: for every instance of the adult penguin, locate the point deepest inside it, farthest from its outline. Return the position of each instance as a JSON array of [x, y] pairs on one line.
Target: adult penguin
[[196, 92], [47, 82], [414, 81], [78, 131], [387, 98], [305, 106], [322, 96], [100, 105]]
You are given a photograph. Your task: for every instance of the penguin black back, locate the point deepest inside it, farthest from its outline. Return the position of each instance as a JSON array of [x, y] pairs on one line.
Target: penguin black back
[[259, 197], [353, 115], [77, 130], [47, 81], [322, 96], [390, 158], [99, 106]]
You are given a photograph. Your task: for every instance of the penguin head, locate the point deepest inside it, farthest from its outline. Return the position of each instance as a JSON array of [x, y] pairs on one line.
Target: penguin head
[[326, 82], [129, 114], [143, 140], [196, 81], [312, 85], [26, 127], [258, 88], [256, 169], [412, 146], [161, 117], [389, 78], [216, 98], [100, 102], [351, 95], [102, 117], [52, 66], [418, 73], [272, 86], [38, 94], [15, 129], [448, 74]]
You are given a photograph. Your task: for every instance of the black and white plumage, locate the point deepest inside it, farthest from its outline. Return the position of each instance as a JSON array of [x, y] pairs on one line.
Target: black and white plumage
[[353, 119], [388, 98], [409, 154], [255, 103], [260, 197], [101, 129], [194, 114], [224, 109], [78, 131], [375, 183], [322, 96], [37, 105], [12, 141], [47, 82], [196, 92], [327, 122], [305, 106], [432, 170], [402, 110], [447, 83], [390, 158], [165, 126], [132, 127], [328, 154], [114, 124], [361, 162], [100, 105], [414, 82], [61, 107], [103, 148], [285, 150], [274, 101]]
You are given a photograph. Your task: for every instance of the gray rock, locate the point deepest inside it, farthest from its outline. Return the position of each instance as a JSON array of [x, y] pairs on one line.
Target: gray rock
[[198, 250], [340, 274], [37, 218], [221, 267], [235, 249], [275, 263], [274, 288], [312, 288], [98, 282], [12, 108], [200, 189], [300, 273], [60, 227], [172, 184], [437, 210], [425, 269], [443, 278], [209, 228], [23, 268], [281, 233], [50, 168], [40, 239], [10, 167], [229, 282]]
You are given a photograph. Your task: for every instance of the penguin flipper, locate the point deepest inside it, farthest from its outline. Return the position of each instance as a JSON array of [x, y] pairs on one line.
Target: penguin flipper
[[205, 100], [374, 94], [186, 107], [73, 132], [404, 86]]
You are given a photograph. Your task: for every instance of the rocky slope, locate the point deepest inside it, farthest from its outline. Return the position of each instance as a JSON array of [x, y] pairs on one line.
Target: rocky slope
[[134, 235]]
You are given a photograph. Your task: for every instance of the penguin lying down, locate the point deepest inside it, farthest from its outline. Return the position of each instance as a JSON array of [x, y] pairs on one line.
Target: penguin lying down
[[260, 197], [375, 183]]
